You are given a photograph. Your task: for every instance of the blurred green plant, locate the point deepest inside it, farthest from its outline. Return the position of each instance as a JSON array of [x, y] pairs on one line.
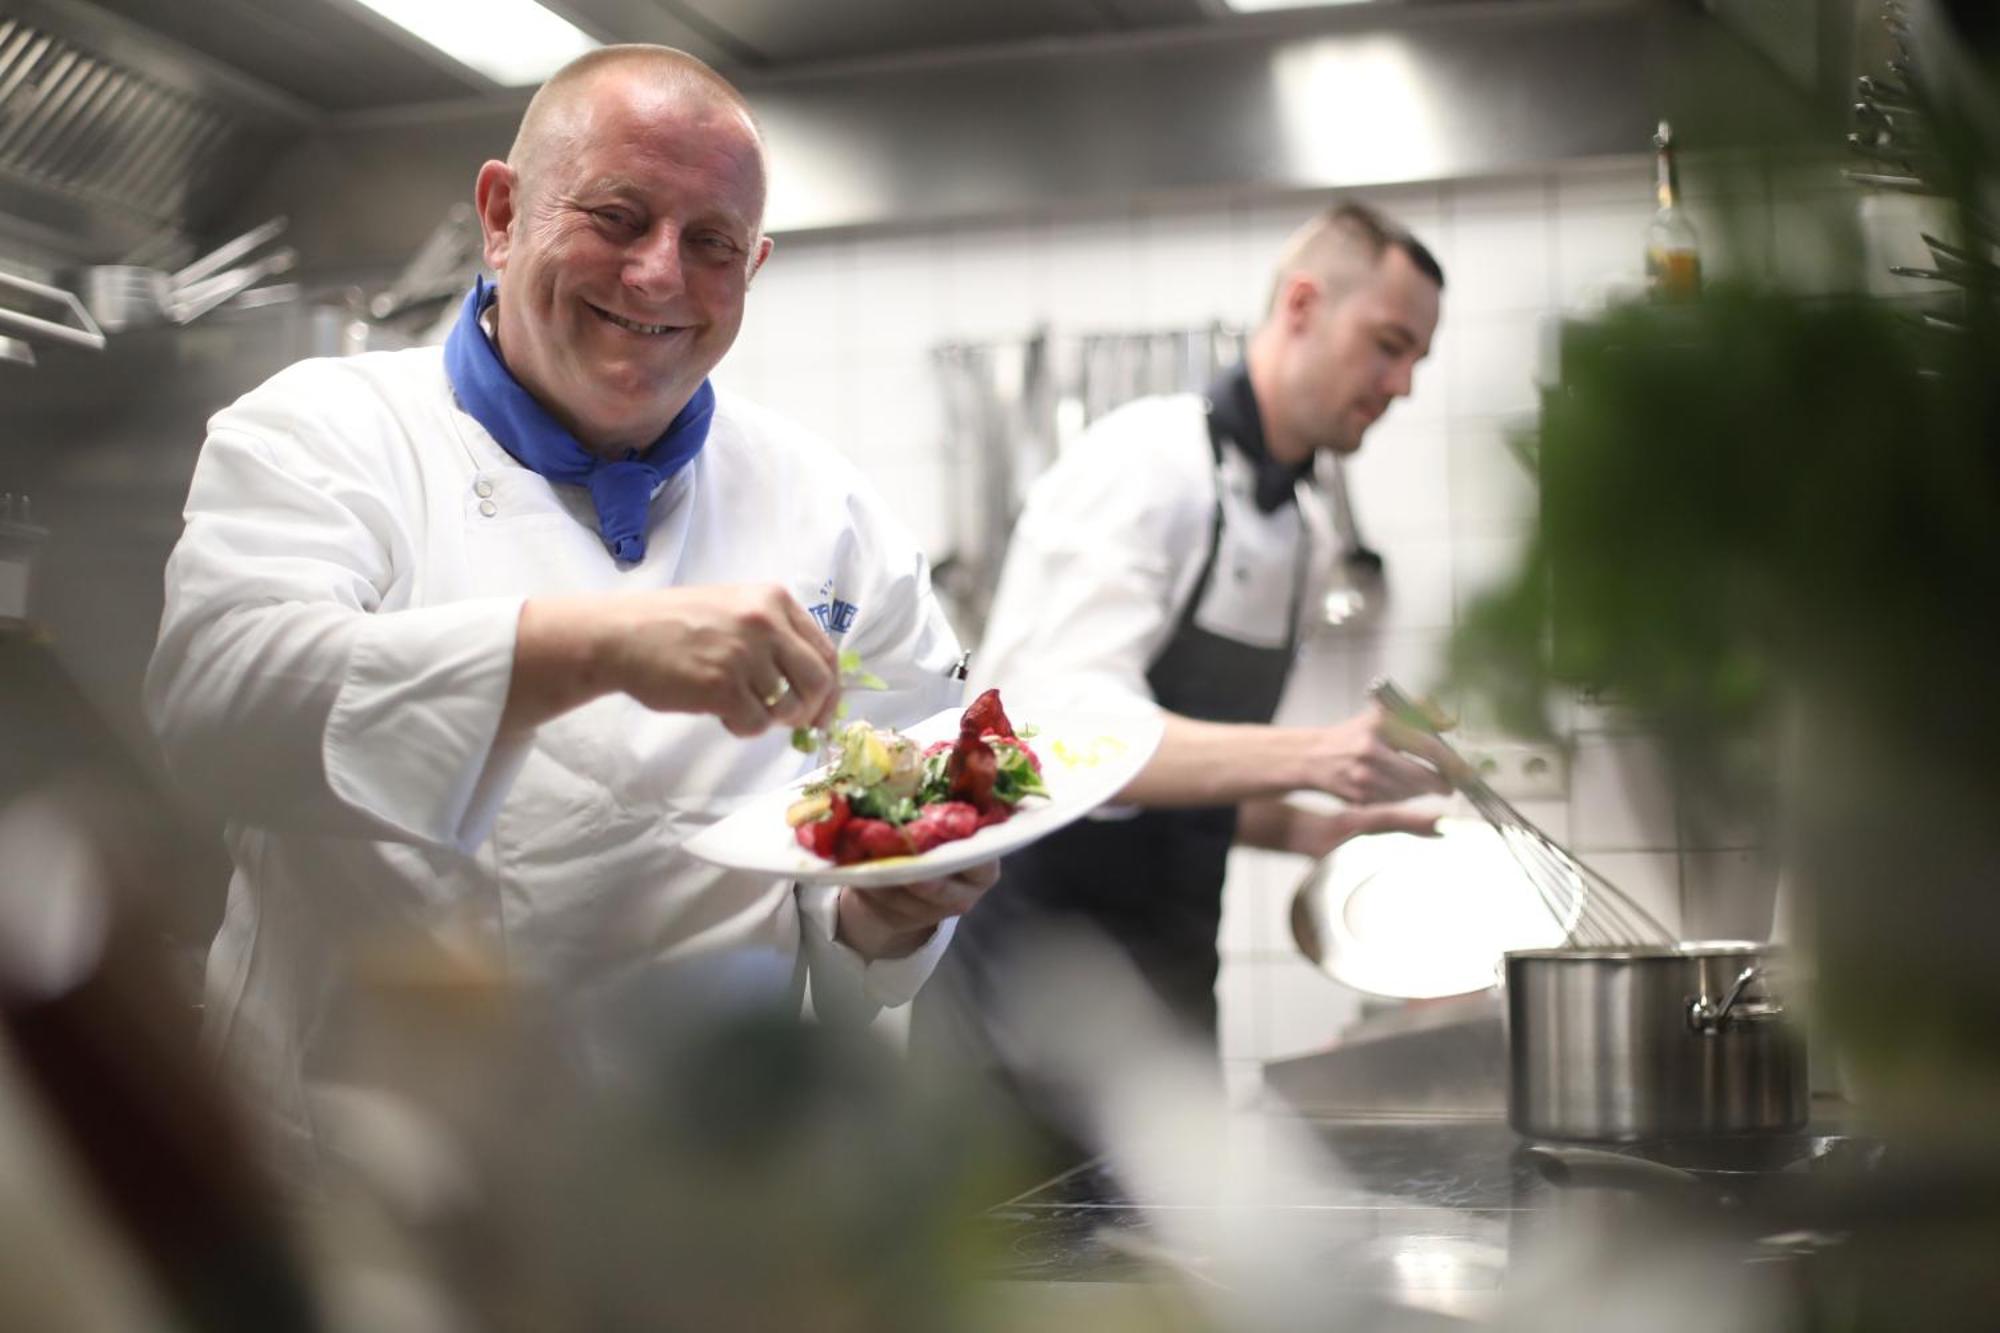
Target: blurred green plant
[[1750, 497], [1770, 526]]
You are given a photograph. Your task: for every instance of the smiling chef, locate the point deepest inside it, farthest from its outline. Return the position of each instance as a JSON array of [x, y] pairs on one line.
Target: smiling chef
[[473, 638]]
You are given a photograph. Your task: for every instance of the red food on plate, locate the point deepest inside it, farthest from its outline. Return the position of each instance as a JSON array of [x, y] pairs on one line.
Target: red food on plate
[[984, 715], [942, 821], [867, 810], [870, 840]]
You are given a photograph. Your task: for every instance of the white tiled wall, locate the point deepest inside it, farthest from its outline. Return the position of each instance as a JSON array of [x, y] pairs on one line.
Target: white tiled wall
[[838, 335]]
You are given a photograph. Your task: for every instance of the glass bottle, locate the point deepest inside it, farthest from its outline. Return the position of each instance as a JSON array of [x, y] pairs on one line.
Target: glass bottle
[[1673, 254]]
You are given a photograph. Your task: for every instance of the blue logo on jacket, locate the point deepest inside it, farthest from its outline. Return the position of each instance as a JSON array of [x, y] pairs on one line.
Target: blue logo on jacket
[[834, 615]]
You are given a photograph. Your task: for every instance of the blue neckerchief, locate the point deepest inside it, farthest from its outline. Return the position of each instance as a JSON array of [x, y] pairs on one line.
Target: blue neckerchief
[[622, 488]]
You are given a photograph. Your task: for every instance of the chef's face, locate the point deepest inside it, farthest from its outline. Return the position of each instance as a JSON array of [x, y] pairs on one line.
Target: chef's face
[[625, 244], [1355, 352]]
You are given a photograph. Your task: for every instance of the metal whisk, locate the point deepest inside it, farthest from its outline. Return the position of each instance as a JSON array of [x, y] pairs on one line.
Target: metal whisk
[[1592, 911]]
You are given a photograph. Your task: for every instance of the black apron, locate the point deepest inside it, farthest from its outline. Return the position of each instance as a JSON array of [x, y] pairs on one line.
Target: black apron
[[1150, 884]]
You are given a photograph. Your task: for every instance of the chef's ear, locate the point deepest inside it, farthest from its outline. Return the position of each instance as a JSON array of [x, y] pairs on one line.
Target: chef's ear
[[757, 260], [1296, 299], [496, 196]]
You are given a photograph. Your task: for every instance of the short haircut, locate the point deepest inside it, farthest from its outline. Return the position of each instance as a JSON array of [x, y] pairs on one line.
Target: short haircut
[[1344, 243], [674, 68]]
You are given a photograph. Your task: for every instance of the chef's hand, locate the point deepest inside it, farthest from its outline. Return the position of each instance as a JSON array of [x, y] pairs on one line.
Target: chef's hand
[[1371, 759], [748, 655], [896, 922]]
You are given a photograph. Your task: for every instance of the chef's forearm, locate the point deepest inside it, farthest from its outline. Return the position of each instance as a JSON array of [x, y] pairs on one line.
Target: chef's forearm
[[1223, 763], [559, 661], [1275, 825]]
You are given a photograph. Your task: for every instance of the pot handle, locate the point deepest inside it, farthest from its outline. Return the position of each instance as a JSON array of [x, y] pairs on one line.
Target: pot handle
[[1708, 1018]]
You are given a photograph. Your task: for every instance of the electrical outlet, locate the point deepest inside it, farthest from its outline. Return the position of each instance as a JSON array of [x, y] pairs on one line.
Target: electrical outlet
[[1519, 770]]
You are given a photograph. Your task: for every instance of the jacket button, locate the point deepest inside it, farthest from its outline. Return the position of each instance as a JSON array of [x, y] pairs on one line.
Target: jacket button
[[488, 508], [482, 488]]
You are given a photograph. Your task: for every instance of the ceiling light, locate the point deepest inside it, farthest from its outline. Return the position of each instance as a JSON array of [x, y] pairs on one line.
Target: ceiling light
[[512, 42], [1259, 6]]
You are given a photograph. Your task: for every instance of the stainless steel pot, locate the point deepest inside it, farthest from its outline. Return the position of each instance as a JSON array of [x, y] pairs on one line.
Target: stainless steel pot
[[1651, 1042]]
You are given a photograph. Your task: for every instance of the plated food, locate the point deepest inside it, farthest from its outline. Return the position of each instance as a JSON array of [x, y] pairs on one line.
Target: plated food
[[1083, 758], [885, 795]]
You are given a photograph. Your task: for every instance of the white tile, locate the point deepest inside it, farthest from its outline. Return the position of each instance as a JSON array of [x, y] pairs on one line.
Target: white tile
[[914, 488], [1320, 689], [1484, 196], [1728, 895], [1493, 491], [1651, 879], [1481, 566], [1241, 998], [1399, 481], [1601, 253], [998, 283], [897, 409], [898, 295], [1261, 230], [1500, 254], [1613, 183], [1418, 577], [1187, 274], [1257, 899], [1427, 403], [1307, 1009], [1551, 817], [1243, 894], [813, 396], [801, 300], [1419, 208], [1621, 795], [1493, 364], [1414, 659], [1094, 280]]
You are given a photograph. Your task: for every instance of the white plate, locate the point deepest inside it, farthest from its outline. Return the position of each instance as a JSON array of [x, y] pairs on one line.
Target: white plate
[[1418, 918], [1086, 759]]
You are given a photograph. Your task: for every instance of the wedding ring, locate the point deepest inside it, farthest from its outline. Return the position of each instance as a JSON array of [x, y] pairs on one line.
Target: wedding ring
[[777, 696]]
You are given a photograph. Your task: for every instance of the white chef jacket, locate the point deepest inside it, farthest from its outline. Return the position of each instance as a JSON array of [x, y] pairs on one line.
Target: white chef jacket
[[334, 658], [1110, 543]]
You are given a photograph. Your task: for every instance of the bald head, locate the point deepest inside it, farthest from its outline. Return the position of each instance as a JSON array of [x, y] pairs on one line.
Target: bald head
[[625, 227], [1340, 247], [558, 116]]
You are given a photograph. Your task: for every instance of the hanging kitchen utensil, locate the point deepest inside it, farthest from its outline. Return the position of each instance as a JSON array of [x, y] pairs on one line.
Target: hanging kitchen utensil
[[30, 309], [442, 267], [220, 258], [126, 296], [197, 299], [1593, 909]]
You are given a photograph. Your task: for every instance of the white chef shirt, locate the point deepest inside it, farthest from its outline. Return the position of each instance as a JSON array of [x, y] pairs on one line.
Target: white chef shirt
[[334, 659], [1110, 543]]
